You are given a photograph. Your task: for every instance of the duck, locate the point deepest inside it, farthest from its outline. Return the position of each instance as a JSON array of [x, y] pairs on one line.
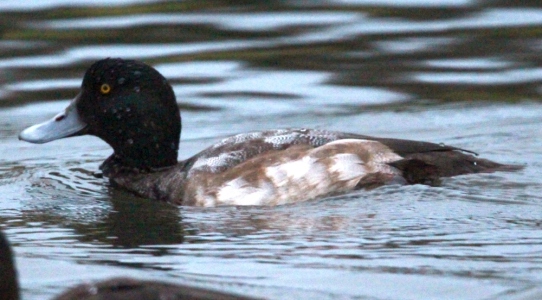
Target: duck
[[119, 288], [132, 107]]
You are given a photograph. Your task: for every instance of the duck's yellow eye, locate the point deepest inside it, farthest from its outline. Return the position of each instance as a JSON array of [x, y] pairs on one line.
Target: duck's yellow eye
[[105, 89]]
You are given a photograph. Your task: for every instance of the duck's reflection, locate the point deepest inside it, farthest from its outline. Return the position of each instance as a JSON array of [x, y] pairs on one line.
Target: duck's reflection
[[134, 221]]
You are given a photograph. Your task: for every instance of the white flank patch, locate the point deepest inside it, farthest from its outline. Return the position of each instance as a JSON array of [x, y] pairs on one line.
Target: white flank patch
[[277, 175], [239, 192], [303, 178], [348, 165], [298, 180], [317, 176], [293, 170]]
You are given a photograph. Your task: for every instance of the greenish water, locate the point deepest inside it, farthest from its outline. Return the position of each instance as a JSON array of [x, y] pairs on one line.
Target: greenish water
[[465, 73]]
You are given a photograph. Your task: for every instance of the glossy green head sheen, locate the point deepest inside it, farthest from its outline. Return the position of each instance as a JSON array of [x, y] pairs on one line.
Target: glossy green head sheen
[[129, 105]]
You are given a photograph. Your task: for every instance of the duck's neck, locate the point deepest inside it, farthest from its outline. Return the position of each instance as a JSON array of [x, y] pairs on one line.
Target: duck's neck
[[140, 160]]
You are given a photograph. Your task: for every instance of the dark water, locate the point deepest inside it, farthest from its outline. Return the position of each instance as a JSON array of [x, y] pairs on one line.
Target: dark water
[[466, 73]]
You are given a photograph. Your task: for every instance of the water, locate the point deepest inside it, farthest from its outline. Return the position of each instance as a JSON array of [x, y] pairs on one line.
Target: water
[[465, 73]]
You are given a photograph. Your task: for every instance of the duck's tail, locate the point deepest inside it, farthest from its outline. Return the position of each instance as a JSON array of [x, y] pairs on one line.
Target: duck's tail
[[429, 167]]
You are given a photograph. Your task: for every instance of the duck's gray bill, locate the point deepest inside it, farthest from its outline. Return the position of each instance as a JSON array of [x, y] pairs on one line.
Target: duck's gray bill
[[65, 124]]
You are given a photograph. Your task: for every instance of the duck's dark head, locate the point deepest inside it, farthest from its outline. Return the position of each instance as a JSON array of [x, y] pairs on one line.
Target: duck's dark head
[[129, 105]]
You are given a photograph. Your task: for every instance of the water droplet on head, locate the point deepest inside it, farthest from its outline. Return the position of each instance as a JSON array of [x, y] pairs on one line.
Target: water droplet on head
[[128, 109], [137, 89], [474, 163], [114, 110], [442, 145], [130, 141], [118, 116], [121, 80], [137, 73]]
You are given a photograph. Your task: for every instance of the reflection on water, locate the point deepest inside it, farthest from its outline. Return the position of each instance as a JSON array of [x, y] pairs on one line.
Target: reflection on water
[[466, 73]]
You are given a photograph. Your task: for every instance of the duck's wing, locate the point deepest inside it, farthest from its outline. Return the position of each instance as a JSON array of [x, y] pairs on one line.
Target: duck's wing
[[420, 159], [409, 147], [236, 149]]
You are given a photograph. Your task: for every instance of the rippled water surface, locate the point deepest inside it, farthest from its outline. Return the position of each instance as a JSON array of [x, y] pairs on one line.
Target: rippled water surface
[[465, 73]]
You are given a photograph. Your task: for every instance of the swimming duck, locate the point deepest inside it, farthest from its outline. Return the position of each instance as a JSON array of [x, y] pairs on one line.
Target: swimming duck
[[132, 107], [116, 288]]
